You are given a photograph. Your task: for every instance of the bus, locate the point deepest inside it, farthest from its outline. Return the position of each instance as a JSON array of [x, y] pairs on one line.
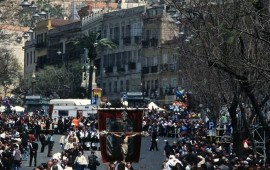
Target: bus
[[71, 107]]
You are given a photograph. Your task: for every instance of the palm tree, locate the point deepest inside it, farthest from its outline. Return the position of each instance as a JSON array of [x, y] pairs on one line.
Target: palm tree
[[92, 41]]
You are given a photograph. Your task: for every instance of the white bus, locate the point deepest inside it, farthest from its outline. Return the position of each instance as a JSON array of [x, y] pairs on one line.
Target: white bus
[[71, 107]]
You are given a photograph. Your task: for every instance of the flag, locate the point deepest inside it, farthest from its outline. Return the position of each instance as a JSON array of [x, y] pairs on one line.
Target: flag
[[114, 121]]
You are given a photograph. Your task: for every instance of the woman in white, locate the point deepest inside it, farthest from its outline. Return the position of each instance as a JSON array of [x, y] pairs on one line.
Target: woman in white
[[63, 140], [69, 144], [80, 161]]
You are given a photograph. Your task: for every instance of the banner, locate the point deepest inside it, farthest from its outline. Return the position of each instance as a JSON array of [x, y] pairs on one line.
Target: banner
[[119, 121]]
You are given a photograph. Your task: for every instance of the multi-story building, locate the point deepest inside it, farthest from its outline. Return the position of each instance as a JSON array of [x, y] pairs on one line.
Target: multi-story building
[[36, 47], [119, 70], [159, 73], [145, 58]]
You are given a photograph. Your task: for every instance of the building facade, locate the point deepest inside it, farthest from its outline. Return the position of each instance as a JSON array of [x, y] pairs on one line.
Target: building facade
[[145, 60]]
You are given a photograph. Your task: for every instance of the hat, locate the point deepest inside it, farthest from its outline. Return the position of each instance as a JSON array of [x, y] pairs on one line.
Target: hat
[[171, 157]]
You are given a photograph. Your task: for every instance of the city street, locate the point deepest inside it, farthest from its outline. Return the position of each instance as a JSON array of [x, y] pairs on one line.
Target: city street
[[149, 160]]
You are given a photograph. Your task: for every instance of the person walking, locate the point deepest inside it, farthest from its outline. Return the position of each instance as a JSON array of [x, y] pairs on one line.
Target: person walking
[[80, 161], [17, 158], [93, 162], [43, 142], [154, 140], [33, 146], [167, 149], [50, 141]]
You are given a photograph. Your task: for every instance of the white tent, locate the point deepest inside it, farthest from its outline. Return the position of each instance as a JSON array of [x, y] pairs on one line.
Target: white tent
[[2, 108], [152, 105], [18, 108]]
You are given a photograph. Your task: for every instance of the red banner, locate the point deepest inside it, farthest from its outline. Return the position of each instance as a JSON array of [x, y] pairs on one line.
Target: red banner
[[118, 121]]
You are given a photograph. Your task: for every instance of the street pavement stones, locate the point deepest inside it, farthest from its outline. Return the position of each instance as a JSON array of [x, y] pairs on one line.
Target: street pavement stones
[[149, 160]]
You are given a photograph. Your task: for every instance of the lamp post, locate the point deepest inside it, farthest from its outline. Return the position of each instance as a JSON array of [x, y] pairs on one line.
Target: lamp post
[[33, 82]]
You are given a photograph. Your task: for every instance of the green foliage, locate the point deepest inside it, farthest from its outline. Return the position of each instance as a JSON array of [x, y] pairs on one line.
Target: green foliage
[[64, 81], [9, 67]]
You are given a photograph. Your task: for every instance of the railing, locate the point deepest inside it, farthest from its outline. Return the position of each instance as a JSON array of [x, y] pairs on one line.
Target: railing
[[127, 40], [145, 70], [120, 69], [154, 69], [145, 43], [41, 45]]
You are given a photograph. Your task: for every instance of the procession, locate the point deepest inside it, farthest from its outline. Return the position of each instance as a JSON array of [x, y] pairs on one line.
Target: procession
[[184, 143]]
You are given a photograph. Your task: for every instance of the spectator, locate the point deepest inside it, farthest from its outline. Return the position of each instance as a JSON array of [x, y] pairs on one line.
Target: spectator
[[80, 161], [33, 147]]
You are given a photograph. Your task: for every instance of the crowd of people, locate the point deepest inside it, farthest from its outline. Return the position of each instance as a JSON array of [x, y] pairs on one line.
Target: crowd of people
[[192, 148], [21, 137]]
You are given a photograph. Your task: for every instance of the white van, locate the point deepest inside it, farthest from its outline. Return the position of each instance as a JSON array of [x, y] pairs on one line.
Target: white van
[[71, 107]]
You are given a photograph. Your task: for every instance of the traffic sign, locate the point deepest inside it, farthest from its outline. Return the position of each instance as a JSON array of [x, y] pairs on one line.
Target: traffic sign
[[124, 96], [211, 125], [93, 101]]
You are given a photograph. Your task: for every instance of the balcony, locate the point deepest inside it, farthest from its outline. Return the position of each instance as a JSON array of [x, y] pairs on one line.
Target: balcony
[[145, 70], [120, 69], [109, 69], [154, 42], [115, 41], [41, 45], [154, 69], [164, 68], [131, 66], [127, 40], [145, 43]]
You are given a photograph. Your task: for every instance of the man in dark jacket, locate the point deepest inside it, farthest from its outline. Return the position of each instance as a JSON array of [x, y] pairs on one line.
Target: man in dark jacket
[[33, 146], [43, 142], [154, 140], [93, 162]]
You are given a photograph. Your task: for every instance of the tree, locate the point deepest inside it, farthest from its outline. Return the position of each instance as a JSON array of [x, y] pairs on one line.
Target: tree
[[55, 82], [9, 69], [232, 40], [93, 42]]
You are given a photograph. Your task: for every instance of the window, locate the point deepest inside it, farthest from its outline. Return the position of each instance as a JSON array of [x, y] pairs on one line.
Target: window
[[31, 59], [27, 59], [35, 59], [128, 30], [63, 113], [156, 84], [115, 87], [165, 58], [174, 82], [116, 33], [111, 33], [110, 87], [104, 88], [121, 85], [123, 32], [105, 32], [127, 85]]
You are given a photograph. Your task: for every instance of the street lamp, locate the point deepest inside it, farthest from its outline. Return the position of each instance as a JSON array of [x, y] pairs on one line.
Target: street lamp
[[33, 82]]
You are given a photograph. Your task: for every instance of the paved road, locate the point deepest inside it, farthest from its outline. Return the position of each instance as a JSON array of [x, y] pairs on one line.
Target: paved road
[[149, 160]]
